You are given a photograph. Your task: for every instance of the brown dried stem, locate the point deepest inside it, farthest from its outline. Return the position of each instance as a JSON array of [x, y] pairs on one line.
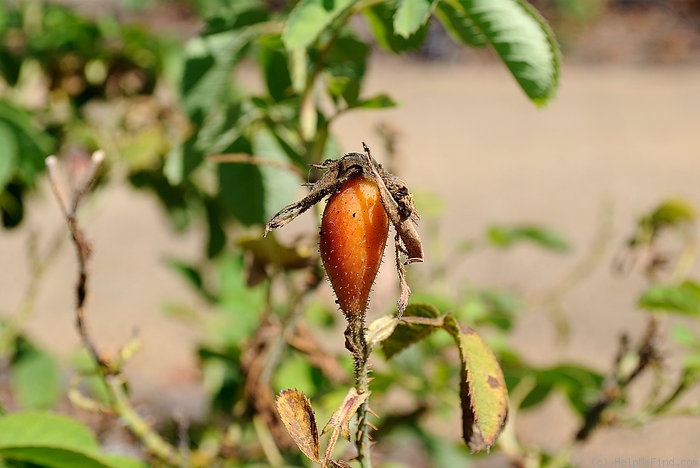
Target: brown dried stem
[[118, 401], [82, 248], [620, 378]]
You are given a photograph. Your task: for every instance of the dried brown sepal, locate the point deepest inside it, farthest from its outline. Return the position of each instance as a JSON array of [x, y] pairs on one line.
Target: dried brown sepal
[[340, 420], [298, 417], [396, 200]]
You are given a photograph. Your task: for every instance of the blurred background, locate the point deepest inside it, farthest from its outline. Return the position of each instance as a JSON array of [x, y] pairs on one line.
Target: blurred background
[[619, 140]]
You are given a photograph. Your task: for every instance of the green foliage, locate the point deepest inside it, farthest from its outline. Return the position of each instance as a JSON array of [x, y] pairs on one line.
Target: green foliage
[[522, 40], [310, 18], [35, 379], [222, 157], [683, 298], [408, 334], [55, 441], [505, 236]]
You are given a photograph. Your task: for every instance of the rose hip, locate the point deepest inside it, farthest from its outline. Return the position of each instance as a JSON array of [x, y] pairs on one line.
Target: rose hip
[[353, 235]]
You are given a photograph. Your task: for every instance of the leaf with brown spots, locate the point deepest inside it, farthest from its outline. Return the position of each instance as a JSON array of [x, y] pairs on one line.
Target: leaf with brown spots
[[482, 388], [298, 417]]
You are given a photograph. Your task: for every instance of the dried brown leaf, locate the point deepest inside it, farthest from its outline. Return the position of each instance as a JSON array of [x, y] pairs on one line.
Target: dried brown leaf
[[298, 417]]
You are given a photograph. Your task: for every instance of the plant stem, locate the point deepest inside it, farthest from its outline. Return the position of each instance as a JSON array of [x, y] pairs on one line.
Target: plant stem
[[356, 337], [153, 442], [106, 371]]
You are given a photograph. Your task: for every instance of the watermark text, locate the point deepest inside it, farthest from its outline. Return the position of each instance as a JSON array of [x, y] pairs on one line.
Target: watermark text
[[650, 462]]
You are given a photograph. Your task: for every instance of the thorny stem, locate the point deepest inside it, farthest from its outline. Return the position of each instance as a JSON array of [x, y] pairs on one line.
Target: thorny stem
[[356, 343]]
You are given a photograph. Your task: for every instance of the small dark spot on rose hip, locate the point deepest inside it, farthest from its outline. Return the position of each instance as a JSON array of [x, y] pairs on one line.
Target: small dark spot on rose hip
[[353, 215]]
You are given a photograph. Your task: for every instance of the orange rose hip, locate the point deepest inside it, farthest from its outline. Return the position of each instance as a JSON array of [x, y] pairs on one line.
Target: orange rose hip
[[354, 231]]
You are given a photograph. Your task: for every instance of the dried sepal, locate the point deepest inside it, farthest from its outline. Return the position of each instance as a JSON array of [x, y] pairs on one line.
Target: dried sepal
[[340, 420], [395, 197]]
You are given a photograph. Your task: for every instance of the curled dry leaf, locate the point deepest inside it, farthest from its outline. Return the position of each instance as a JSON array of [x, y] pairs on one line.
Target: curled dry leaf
[[340, 420], [298, 417], [396, 200]]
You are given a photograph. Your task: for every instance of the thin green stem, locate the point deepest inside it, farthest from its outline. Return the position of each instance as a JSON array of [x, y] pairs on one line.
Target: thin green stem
[[151, 440]]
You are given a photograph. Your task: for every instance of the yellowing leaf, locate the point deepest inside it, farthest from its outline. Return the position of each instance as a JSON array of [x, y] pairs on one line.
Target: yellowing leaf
[[482, 388], [380, 329], [298, 417]]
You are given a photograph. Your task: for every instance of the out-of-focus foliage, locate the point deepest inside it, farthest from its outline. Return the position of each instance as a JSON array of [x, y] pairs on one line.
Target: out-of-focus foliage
[[178, 117]]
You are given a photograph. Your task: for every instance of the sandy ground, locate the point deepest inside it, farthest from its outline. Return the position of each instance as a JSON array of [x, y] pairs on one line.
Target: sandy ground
[[625, 137]]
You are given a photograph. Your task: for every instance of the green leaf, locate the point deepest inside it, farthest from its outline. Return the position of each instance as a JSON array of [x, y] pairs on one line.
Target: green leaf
[[241, 190], [523, 41], [242, 305], [268, 251], [691, 364], [407, 334], [279, 185], [683, 336], [506, 236], [381, 20], [411, 15], [8, 154], [379, 101], [490, 307], [36, 380], [310, 18], [210, 61], [275, 65], [380, 329], [483, 390], [346, 67], [216, 240], [458, 25], [671, 212], [580, 384], [295, 371], [191, 275], [683, 298], [52, 440], [253, 193]]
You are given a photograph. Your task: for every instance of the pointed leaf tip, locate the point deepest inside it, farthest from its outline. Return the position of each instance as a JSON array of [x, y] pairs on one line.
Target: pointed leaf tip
[[523, 41]]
